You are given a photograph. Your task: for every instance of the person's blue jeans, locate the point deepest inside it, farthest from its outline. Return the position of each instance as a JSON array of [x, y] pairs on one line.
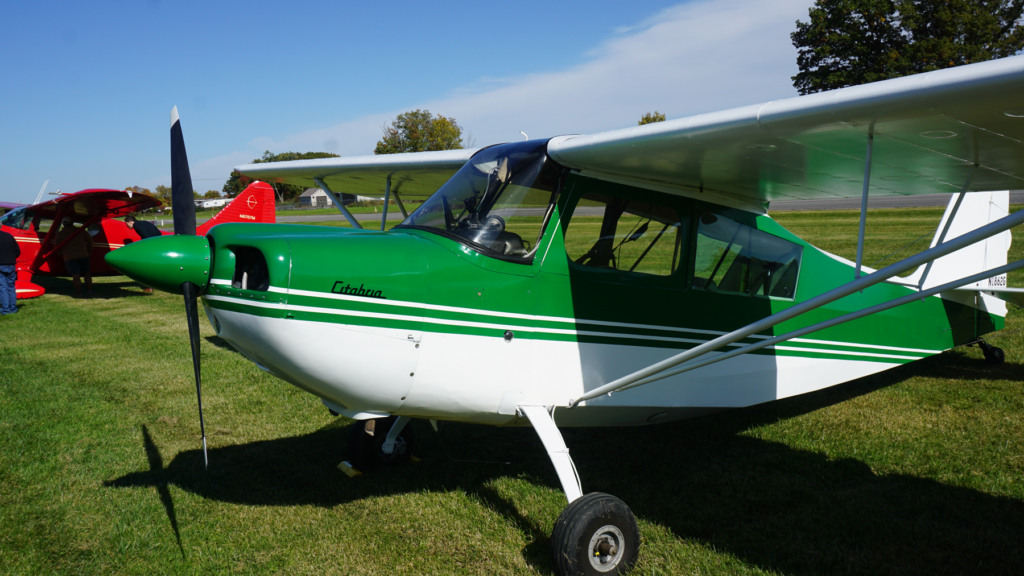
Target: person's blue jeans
[[8, 297]]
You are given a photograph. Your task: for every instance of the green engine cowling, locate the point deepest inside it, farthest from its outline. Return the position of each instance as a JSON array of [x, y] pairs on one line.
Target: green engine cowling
[[308, 259], [165, 262]]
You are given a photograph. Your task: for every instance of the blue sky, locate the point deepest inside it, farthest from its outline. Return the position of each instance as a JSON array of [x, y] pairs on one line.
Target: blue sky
[[88, 87]]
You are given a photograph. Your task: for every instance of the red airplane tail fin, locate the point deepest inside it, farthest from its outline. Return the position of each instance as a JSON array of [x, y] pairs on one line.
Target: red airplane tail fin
[[254, 204]]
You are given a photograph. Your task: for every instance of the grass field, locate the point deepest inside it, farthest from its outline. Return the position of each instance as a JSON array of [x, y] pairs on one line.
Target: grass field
[[918, 470]]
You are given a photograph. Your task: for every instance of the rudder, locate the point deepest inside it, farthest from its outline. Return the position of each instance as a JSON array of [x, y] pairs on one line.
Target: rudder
[[976, 210]]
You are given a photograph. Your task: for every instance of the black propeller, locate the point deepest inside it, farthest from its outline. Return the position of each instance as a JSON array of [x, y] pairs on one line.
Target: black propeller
[[182, 198], [185, 224]]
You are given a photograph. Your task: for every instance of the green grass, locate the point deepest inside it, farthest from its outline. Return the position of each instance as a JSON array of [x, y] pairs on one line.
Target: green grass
[[918, 470]]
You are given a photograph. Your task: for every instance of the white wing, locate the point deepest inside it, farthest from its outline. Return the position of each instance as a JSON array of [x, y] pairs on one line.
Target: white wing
[[929, 131], [413, 174]]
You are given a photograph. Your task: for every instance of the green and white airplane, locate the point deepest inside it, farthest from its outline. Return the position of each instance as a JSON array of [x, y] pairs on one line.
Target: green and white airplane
[[623, 278]]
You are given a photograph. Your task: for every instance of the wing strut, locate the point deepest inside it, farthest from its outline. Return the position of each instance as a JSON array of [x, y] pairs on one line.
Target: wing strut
[[818, 301], [39, 196], [864, 205], [398, 200], [387, 200], [954, 285], [334, 198]]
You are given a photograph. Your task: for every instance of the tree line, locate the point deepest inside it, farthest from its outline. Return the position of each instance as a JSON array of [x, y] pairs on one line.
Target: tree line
[[163, 193]]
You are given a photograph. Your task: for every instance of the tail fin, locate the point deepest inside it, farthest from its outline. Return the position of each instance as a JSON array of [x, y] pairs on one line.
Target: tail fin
[[254, 204], [976, 210]]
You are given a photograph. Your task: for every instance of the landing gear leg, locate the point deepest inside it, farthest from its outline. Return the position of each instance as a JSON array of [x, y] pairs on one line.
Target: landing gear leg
[[596, 533], [380, 442], [992, 354]]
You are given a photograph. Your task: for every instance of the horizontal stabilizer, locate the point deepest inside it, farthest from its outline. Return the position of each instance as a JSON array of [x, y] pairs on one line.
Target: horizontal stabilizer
[[1014, 296]]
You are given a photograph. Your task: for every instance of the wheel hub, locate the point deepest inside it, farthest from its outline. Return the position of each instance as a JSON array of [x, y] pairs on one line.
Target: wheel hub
[[606, 548]]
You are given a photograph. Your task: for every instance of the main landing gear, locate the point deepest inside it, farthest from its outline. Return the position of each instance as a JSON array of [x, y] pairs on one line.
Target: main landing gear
[[596, 533], [380, 442]]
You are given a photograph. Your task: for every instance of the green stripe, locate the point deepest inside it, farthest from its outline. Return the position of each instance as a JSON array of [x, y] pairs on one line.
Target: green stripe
[[504, 324]]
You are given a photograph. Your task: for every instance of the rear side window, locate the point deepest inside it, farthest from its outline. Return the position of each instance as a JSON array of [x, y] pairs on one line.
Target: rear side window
[[738, 259]]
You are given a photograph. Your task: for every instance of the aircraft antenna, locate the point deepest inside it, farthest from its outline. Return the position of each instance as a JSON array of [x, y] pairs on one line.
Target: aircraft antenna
[[524, 134], [39, 196]]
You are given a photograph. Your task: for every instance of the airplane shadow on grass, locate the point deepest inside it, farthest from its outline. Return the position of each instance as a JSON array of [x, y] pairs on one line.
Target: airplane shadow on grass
[[783, 509], [100, 290]]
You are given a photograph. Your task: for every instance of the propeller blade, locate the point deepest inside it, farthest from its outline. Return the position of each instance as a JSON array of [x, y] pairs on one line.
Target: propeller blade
[[191, 292], [182, 198]]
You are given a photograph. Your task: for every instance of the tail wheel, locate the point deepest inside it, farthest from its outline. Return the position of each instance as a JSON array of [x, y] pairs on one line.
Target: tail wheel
[[366, 444], [596, 534], [993, 355]]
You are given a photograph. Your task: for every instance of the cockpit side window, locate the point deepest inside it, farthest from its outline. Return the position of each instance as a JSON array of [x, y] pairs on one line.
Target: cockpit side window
[[19, 218], [735, 258], [624, 234]]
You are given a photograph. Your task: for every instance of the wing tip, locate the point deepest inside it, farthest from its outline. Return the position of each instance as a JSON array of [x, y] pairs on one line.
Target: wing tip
[[174, 116]]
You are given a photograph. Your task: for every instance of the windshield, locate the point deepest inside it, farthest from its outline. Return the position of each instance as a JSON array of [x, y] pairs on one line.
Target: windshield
[[18, 218], [499, 202]]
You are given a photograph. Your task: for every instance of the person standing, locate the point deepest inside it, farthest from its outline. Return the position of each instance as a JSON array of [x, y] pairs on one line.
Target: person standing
[[145, 230], [9, 252], [76, 255]]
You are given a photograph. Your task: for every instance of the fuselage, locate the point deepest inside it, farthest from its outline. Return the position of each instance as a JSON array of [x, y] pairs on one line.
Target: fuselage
[[428, 323]]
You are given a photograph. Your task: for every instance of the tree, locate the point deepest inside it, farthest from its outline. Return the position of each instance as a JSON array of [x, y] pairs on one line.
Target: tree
[[650, 118], [237, 181], [163, 194], [851, 42], [419, 131], [211, 194]]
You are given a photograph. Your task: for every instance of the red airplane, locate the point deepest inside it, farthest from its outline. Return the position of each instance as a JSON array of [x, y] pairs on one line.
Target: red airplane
[[94, 212]]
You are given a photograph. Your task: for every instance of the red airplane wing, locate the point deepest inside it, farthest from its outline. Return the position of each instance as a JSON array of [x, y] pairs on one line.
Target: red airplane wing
[[87, 204]]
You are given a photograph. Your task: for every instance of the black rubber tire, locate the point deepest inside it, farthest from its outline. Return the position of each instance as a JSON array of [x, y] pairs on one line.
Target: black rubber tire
[[993, 355], [365, 451], [578, 524]]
